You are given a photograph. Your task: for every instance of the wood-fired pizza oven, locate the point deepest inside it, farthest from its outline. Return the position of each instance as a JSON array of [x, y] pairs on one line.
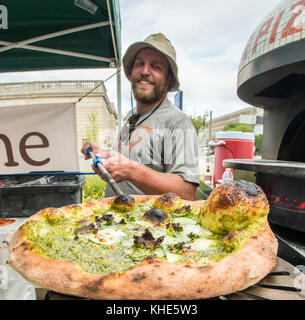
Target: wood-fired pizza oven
[[272, 76]]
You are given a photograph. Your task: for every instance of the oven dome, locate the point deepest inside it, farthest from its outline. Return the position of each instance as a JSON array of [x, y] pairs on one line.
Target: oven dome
[[273, 54]]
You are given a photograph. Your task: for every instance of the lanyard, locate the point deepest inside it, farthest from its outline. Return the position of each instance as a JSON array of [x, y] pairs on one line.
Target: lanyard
[[133, 120]]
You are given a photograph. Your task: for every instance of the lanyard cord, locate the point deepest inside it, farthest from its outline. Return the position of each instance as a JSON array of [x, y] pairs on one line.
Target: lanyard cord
[[133, 125]]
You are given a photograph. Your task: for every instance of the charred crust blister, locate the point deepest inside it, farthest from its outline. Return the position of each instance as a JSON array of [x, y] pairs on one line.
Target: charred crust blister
[[229, 194], [183, 210], [124, 202], [139, 277], [246, 188], [157, 216], [23, 245], [167, 200], [93, 287]]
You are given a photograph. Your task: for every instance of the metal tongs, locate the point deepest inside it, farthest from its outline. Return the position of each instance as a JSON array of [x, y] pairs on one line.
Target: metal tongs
[[97, 162]]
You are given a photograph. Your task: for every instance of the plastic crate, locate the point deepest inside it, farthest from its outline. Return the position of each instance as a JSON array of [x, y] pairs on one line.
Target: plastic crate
[[23, 196]]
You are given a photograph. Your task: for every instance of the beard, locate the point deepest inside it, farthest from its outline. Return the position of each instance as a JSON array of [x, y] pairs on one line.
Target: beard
[[151, 96]]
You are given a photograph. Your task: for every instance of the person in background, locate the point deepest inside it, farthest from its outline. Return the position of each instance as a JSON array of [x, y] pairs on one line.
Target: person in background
[[157, 150]]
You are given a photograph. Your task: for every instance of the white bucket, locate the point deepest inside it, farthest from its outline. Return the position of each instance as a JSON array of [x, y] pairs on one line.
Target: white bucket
[[12, 285]]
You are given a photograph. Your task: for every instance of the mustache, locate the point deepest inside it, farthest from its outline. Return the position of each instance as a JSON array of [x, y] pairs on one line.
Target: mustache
[[144, 78]]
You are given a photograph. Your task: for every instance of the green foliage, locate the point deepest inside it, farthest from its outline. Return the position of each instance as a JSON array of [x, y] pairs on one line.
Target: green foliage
[[197, 122], [94, 188], [201, 190], [93, 129], [258, 144], [232, 126]]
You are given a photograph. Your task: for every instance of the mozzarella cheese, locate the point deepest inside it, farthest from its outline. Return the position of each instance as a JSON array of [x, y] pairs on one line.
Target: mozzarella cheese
[[195, 229], [173, 257], [184, 221], [201, 244], [108, 236]]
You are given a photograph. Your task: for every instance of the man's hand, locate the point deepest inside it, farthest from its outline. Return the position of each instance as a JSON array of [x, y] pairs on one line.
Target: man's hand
[[89, 145], [114, 162]]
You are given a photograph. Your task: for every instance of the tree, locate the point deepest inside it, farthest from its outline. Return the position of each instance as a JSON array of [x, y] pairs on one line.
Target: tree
[[233, 126], [258, 144], [197, 122], [93, 129]]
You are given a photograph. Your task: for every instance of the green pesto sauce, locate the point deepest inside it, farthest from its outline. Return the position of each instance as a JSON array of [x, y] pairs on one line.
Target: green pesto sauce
[[55, 237]]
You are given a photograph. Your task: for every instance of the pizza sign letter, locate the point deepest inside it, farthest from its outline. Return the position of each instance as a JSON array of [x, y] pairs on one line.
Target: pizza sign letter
[[38, 138], [291, 28], [282, 23], [263, 31], [22, 147]]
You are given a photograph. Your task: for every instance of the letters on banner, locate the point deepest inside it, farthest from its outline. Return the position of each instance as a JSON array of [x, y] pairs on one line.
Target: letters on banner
[[38, 138]]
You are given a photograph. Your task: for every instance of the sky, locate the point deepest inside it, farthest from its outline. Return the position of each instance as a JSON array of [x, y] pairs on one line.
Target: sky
[[209, 37]]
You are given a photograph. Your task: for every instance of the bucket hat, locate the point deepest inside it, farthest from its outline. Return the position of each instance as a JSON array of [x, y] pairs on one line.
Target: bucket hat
[[158, 42]]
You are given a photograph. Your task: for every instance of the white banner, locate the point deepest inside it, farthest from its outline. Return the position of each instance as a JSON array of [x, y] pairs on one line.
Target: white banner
[[35, 138]]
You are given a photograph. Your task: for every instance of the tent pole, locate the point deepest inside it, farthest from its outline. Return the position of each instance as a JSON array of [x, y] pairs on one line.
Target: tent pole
[[54, 35], [112, 31], [63, 52], [119, 100]]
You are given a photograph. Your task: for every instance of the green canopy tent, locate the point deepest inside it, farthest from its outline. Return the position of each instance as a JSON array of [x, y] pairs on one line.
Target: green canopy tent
[[61, 34]]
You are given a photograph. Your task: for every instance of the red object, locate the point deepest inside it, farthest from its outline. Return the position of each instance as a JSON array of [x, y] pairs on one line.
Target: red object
[[5, 222], [231, 145]]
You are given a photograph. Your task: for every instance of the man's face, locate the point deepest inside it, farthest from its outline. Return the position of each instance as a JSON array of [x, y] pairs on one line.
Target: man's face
[[149, 76]]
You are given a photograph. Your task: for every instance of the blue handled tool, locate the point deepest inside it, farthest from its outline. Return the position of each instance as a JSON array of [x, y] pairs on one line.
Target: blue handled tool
[[97, 162]]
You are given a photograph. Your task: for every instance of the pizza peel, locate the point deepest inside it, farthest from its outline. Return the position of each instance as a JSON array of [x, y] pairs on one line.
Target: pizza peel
[[97, 162]]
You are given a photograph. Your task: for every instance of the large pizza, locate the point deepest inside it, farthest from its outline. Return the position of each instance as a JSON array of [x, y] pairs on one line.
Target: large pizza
[[149, 247]]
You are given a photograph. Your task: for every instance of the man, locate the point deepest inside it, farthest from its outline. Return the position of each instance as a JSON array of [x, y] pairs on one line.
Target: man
[[157, 150]]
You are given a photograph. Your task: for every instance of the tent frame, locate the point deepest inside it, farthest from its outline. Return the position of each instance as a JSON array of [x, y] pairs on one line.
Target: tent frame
[[113, 62]]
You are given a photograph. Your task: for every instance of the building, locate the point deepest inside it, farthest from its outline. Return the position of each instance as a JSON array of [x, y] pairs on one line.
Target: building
[[252, 116], [95, 105]]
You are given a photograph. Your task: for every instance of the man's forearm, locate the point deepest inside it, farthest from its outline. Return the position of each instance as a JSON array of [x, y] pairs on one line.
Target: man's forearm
[[153, 182]]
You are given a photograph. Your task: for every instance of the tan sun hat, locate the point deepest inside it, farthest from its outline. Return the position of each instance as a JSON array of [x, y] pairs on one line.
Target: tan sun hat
[[162, 44]]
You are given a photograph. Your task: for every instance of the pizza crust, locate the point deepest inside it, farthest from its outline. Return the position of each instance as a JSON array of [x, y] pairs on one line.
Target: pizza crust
[[152, 279]]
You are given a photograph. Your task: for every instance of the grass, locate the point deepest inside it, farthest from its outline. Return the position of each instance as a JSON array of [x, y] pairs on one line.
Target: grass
[[202, 191], [94, 188]]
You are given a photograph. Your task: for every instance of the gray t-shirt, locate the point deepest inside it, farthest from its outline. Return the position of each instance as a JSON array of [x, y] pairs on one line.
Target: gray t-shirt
[[166, 142]]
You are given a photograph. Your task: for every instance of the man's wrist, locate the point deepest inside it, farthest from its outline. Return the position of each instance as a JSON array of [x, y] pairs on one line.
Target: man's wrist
[[132, 170]]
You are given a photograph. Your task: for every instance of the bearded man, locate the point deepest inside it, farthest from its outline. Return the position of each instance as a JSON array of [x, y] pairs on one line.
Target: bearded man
[[157, 150]]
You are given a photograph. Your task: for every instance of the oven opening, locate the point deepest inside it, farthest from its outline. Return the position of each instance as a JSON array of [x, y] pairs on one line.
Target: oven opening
[[292, 146]]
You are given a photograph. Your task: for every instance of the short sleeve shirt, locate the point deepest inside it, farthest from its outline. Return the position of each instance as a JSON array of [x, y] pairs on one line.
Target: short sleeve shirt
[[165, 142]]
